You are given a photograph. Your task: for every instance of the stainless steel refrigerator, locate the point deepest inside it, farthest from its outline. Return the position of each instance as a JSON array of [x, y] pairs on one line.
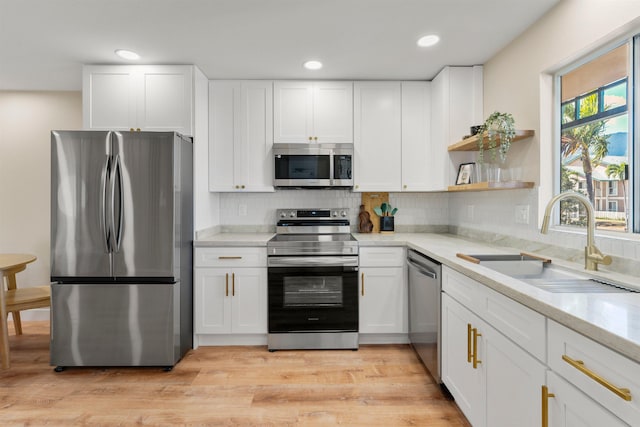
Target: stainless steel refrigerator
[[121, 248]]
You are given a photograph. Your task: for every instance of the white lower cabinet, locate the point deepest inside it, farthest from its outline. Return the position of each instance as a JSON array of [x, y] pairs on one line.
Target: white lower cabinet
[[569, 407], [383, 293], [230, 295], [494, 382], [231, 301]]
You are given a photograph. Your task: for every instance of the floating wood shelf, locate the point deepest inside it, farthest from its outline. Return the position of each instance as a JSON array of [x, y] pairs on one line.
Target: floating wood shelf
[[490, 186], [471, 143]]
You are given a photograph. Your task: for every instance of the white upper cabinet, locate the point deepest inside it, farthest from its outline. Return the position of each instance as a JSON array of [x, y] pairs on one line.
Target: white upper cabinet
[[377, 136], [240, 136], [144, 97], [418, 155], [313, 112], [456, 94]]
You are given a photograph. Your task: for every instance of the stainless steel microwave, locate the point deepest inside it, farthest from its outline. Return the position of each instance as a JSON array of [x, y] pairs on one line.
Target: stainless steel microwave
[[313, 165]]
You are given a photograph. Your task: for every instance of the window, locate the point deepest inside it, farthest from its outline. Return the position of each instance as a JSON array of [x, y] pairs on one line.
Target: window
[[595, 142]]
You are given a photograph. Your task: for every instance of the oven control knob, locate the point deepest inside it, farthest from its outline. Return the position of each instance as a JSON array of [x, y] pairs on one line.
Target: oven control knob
[[335, 214], [343, 214], [283, 214], [292, 214]]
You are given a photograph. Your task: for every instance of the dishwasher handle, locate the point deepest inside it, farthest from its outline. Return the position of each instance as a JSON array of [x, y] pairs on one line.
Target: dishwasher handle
[[422, 269]]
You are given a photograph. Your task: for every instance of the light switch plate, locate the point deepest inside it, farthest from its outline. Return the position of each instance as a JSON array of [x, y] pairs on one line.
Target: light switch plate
[[522, 214]]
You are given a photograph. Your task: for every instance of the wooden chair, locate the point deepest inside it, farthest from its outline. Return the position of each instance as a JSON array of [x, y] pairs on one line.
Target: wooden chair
[[13, 299]]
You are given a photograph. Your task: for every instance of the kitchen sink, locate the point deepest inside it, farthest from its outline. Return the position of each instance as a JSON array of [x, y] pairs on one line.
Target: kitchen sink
[[542, 274]]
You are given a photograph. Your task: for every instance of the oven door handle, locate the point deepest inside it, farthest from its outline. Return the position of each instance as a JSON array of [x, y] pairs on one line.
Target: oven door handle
[[324, 261]]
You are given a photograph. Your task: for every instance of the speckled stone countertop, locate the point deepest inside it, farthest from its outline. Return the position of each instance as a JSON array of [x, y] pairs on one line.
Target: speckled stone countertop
[[610, 319]]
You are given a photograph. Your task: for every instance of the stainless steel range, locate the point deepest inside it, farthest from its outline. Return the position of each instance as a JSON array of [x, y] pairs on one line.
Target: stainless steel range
[[313, 281]]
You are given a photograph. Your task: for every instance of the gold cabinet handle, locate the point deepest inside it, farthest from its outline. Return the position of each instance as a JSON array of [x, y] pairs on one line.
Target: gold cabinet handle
[[229, 257], [545, 405], [226, 285], [131, 129], [310, 138], [137, 129], [476, 362], [469, 353], [233, 284], [315, 138], [623, 393], [242, 186], [404, 186], [362, 284]]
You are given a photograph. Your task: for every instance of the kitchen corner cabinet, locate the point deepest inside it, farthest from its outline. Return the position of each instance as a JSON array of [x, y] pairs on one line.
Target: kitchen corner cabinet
[[488, 348], [383, 292], [457, 94], [139, 97], [310, 112], [377, 136], [230, 291], [240, 136]]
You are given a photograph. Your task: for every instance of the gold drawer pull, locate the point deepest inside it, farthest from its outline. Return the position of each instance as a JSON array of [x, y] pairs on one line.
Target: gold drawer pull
[[624, 393], [229, 257], [226, 285], [545, 405], [469, 353], [233, 284], [475, 333], [362, 281]]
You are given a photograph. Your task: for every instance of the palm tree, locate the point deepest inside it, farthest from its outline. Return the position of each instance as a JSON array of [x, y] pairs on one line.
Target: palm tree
[[588, 141], [619, 171]]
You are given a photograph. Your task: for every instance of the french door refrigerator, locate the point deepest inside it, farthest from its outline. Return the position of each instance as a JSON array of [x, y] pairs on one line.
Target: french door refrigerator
[[121, 248]]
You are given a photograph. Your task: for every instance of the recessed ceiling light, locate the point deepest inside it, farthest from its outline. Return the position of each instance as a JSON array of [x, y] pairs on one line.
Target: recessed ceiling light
[[429, 40], [313, 65], [127, 54]]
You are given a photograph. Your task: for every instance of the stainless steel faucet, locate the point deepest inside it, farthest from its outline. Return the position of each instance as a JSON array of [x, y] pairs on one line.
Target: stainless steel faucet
[[592, 255]]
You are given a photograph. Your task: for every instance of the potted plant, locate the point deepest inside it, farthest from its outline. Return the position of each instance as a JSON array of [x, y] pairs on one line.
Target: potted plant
[[386, 213], [499, 127]]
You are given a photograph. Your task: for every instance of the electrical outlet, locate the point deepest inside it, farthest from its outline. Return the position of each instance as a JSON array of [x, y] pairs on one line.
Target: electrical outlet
[[242, 210], [522, 214]]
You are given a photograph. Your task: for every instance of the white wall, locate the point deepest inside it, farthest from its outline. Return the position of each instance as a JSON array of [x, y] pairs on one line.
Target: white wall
[[26, 120], [517, 80]]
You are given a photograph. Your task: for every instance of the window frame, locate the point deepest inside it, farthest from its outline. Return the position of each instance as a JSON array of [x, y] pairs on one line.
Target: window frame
[[633, 129]]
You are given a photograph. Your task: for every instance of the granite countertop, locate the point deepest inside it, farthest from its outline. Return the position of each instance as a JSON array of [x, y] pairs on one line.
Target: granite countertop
[[610, 319]]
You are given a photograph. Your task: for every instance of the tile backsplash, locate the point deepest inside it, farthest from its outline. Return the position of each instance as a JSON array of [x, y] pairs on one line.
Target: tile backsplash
[[256, 211]]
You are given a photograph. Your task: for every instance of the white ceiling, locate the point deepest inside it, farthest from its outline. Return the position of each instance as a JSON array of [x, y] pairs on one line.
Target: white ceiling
[[43, 43]]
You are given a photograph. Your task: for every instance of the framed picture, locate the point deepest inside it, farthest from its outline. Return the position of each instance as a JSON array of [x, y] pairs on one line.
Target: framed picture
[[464, 173]]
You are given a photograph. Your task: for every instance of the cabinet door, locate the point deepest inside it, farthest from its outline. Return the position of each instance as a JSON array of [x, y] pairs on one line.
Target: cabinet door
[[249, 296], [512, 381], [377, 136], [571, 408], [418, 154], [165, 101], [108, 97], [253, 157], [333, 112], [463, 381], [383, 300], [212, 301], [292, 112], [224, 125]]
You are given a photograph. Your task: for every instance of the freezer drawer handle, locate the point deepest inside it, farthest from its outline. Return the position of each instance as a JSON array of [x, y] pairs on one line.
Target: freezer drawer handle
[[623, 393]]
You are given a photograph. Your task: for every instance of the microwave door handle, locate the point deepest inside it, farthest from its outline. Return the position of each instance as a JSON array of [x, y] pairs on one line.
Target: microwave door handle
[[332, 169]]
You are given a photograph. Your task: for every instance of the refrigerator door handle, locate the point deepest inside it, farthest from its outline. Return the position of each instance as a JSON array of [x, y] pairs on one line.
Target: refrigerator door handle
[[116, 204], [104, 218]]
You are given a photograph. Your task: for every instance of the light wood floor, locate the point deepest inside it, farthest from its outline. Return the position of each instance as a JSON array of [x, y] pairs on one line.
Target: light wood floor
[[229, 386]]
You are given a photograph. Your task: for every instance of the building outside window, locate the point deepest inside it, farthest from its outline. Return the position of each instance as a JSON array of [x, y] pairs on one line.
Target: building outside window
[[595, 141]]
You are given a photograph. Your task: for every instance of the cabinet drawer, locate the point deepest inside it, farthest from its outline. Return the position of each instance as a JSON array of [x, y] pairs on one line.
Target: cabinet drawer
[[461, 288], [602, 373], [382, 257], [230, 257], [524, 326]]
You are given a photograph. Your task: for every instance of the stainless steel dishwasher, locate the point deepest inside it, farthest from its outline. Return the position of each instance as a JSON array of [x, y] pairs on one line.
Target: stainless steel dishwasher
[[424, 309]]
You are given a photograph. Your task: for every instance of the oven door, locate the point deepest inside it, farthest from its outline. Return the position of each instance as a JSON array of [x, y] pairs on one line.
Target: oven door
[[313, 299]]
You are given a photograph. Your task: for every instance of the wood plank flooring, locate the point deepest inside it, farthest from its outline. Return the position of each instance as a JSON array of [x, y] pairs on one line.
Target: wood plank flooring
[[226, 386]]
